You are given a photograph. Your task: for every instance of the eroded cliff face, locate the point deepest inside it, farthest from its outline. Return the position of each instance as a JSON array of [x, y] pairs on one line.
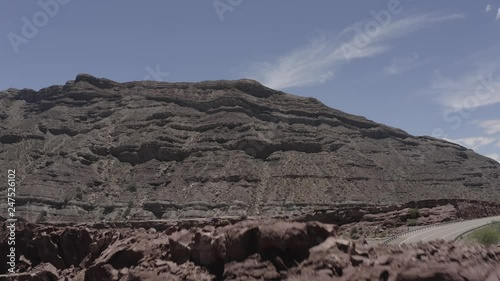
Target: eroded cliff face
[[96, 149]]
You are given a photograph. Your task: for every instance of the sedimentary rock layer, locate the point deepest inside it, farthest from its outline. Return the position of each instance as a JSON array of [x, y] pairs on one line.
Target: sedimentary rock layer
[[96, 149]]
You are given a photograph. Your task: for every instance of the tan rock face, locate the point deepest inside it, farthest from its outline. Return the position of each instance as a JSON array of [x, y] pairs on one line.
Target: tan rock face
[[249, 250], [84, 150]]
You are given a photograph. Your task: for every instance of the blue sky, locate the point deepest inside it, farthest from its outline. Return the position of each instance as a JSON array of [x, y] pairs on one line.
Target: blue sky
[[428, 67]]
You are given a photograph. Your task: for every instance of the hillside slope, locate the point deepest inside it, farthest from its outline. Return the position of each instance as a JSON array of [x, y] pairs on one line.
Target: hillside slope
[[96, 149]]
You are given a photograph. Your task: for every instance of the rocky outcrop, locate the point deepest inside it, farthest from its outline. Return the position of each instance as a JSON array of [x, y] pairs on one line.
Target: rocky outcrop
[[362, 220], [249, 250], [95, 149]]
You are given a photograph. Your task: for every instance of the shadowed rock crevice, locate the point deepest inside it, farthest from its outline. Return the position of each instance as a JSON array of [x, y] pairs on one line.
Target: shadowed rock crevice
[[13, 138], [125, 259]]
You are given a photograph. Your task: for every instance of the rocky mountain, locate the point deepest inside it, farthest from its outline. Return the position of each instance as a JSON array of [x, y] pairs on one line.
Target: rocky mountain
[[96, 149]]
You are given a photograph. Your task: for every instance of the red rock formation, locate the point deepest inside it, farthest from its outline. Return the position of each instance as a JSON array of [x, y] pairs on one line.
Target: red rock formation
[[246, 251]]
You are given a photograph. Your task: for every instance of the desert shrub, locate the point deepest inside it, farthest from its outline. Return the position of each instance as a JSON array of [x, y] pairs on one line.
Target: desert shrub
[[66, 200], [126, 212], [108, 209], [132, 187], [488, 235], [79, 193], [382, 234], [353, 231], [414, 213], [42, 216], [411, 222]]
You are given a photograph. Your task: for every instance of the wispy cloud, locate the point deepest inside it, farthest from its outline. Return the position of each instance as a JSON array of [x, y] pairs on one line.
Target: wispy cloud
[[498, 14], [318, 61], [491, 127], [403, 64], [488, 8], [474, 142], [468, 91]]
